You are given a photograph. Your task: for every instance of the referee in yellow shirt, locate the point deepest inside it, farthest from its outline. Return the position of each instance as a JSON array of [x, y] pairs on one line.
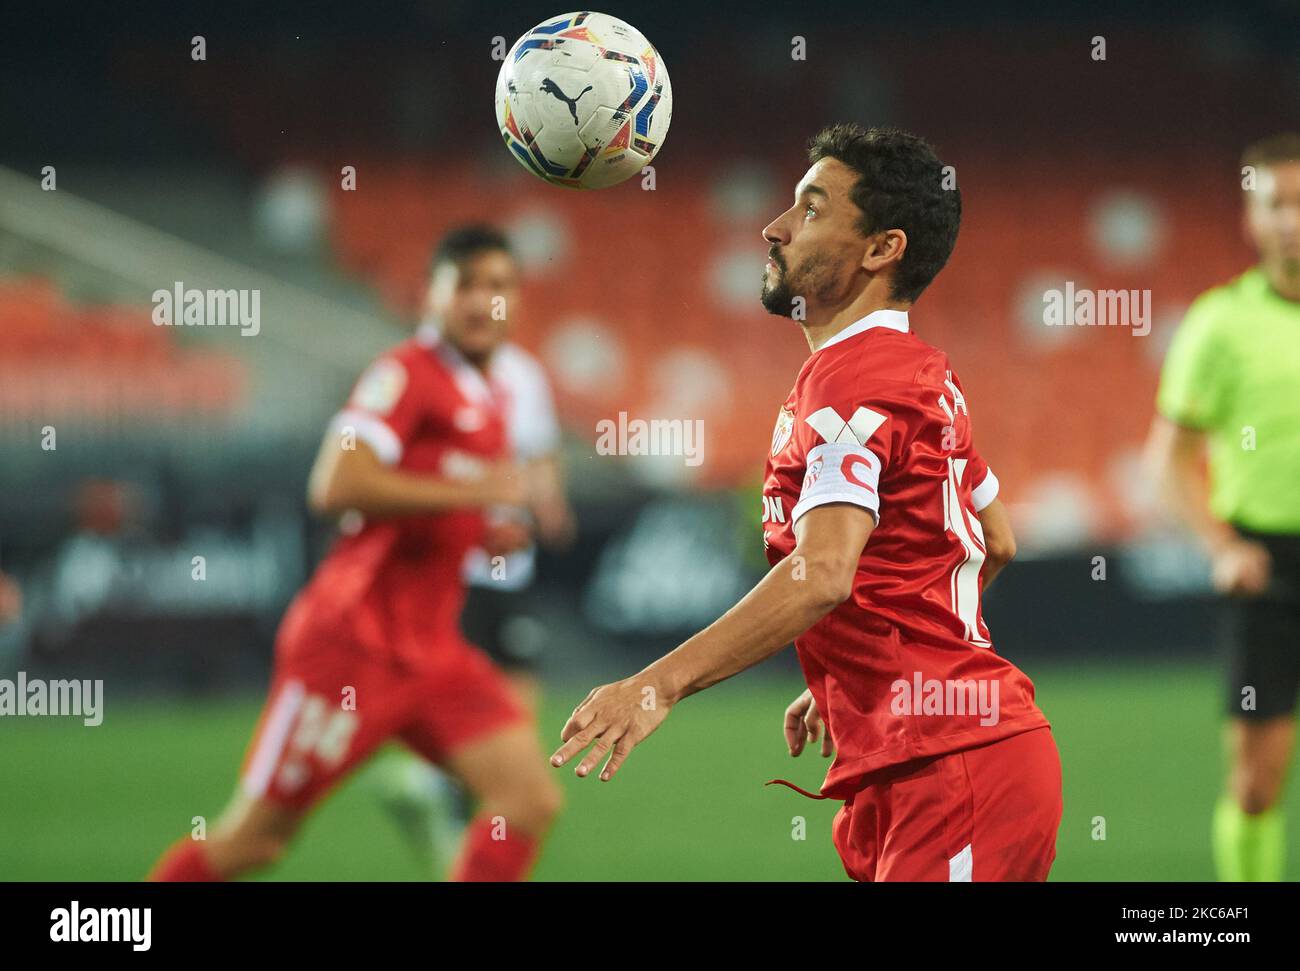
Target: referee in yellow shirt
[[1231, 381]]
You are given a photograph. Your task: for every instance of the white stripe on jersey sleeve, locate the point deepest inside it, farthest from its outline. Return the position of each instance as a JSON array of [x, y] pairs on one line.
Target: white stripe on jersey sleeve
[[985, 492], [375, 432]]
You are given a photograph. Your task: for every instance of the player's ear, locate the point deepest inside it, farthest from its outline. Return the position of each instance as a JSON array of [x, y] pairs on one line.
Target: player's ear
[[884, 249]]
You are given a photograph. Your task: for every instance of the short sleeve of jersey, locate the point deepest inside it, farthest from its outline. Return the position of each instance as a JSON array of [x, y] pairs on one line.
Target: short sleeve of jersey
[[849, 441], [1195, 382], [984, 484], [384, 409]]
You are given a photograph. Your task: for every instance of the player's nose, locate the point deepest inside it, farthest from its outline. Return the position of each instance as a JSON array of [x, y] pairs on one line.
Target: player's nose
[[774, 234]]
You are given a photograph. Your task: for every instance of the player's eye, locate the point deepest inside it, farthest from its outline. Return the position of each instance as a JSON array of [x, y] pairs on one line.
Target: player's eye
[[810, 210]]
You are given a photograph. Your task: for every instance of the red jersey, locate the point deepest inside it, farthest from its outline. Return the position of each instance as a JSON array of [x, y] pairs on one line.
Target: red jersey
[[422, 408], [905, 668]]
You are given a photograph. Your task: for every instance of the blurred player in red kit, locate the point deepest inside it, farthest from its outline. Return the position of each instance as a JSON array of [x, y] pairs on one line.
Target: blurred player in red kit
[[882, 525], [371, 649], [429, 809]]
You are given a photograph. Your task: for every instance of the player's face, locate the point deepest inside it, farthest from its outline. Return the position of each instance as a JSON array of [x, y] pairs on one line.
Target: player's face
[[473, 300], [814, 247], [1273, 216]]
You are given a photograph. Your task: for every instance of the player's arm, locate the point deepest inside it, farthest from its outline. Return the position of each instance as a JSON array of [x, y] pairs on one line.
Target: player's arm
[[355, 478], [796, 593], [1175, 456], [999, 540], [548, 501]]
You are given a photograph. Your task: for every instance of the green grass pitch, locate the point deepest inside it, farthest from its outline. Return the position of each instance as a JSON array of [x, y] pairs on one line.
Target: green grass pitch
[[1139, 745]]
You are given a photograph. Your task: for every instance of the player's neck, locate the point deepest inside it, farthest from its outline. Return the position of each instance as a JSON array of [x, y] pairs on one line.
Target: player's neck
[[1283, 280], [480, 362], [823, 323]]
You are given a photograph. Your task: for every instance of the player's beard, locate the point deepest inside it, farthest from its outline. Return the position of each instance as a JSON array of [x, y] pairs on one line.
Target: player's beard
[[813, 279]]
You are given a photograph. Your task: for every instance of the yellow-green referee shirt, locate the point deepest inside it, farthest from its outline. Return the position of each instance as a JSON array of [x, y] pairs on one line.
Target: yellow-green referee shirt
[[1233, 371]]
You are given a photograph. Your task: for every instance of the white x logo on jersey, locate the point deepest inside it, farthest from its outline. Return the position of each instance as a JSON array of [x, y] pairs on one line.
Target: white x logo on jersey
[[858, 430]]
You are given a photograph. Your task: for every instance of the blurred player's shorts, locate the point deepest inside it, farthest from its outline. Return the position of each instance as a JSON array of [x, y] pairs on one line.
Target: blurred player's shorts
[[499, 622]]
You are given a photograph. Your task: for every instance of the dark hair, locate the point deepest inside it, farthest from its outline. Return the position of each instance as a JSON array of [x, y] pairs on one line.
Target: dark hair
[[900, 186], [1283, 147], [470, 239]]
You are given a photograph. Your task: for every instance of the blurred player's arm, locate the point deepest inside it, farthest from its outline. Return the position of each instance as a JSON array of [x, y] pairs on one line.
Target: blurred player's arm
[[355, 478], [796, 593], [1175, 456], [549, 503], [999, 540]]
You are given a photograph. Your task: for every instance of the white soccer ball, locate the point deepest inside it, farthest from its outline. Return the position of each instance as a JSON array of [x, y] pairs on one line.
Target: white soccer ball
[[583, 101]]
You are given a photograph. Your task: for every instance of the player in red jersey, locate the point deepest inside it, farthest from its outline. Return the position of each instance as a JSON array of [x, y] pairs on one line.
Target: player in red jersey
[[371, 649], [882, 526]]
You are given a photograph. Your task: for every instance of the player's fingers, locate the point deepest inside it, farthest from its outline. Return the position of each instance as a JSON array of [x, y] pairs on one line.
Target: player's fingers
[[794, 732], [582, 717], [813, 726], [827, 745], [598, 751], [573, 745], [621, 752], [576, 723]]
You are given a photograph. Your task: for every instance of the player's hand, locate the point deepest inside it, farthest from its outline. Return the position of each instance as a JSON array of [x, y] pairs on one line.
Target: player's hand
[[503, 484], [1241, 568], [556, 527], [613, 720], [503, 538], [11, 599], [803, 723]]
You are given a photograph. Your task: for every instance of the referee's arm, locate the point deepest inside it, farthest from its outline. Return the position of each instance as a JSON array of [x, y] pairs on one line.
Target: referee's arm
[[1176, 457]]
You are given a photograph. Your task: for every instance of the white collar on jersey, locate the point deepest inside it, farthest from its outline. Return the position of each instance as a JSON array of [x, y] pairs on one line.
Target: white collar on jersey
[[428, 334], [473, 385], [893, 319]]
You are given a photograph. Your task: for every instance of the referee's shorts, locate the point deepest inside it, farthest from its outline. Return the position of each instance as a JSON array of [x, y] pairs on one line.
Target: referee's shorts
[[1262, 637]]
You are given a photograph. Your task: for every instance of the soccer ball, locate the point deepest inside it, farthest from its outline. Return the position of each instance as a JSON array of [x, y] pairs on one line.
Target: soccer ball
[[583, 101]]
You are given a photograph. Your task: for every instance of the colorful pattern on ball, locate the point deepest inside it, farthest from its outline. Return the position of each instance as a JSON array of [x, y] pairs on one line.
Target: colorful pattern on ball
[[583, 101]]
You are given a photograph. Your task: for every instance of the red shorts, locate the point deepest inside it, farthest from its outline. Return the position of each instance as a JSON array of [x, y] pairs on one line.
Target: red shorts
[[988, 814], [332, 703]]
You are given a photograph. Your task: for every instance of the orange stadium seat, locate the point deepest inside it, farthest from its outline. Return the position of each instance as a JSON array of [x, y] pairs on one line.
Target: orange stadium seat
[[1040, 405], [97, 361]]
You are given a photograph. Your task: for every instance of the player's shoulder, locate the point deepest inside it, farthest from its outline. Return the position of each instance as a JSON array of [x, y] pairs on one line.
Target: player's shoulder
[[1218, 306], [513, 363], [419, 356], [882, 359], [408, 365]]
